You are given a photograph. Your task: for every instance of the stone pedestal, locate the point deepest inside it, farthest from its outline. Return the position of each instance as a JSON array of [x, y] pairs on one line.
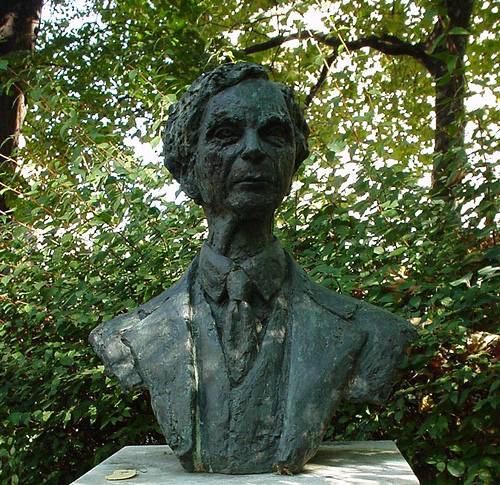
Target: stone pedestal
[[348, 462]]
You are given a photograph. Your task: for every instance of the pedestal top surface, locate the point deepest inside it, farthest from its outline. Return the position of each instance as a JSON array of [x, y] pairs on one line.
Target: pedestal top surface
[[347, 462]]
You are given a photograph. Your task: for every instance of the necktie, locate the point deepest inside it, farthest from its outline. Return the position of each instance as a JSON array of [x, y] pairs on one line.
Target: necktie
[[239, 338]]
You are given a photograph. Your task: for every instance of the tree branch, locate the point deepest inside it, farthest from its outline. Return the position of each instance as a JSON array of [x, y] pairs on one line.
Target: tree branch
[[321, 79], [387, 44], [274, 42], [391, 45]]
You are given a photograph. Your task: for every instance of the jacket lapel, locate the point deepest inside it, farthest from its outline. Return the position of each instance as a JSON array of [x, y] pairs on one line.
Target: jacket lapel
[[323, 348], [162, 349]]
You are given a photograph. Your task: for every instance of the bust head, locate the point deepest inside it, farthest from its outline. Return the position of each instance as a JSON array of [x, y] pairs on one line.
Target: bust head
[[235, 139]]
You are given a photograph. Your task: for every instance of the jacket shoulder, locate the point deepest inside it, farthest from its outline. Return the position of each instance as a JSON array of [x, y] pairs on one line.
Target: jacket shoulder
[[340, 305], [106, 338], [387, 337]]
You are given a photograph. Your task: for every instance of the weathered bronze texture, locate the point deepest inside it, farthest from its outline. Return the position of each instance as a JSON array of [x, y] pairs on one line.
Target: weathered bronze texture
[[245, 358]]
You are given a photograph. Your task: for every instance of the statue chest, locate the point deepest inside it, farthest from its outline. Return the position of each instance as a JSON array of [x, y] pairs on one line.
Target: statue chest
[[238, 427]]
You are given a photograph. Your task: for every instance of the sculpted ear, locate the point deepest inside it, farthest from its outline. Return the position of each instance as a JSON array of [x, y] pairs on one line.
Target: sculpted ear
[[189, 186]]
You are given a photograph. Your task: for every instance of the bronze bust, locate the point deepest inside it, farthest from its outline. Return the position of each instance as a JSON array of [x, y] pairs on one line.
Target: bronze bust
[[245, 357]]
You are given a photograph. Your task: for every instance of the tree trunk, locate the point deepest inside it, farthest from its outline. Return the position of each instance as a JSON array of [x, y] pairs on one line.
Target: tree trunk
[[449, 77], [19, 20]]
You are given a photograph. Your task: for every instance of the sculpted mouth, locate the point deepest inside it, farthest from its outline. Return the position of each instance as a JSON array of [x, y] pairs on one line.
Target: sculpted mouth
[[254, 184], [253, 181]]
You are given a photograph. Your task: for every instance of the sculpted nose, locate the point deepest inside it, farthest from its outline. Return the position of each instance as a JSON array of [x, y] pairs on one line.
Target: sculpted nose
[[252, 150]]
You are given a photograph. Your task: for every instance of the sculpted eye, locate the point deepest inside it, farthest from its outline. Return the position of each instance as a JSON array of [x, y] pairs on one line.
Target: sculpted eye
[[276, 134], [225, 133]]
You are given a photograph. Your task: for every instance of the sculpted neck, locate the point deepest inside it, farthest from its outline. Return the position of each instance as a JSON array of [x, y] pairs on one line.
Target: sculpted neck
[[237, 238]]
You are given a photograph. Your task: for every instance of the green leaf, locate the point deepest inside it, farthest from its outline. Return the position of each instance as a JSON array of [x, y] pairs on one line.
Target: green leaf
[[488, 270], [458, 31], [464, 280], [336, 145], [46, 415], [447, 301], [456, 468]]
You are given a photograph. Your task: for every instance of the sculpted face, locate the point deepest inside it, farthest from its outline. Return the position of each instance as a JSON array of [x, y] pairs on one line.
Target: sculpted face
[[246, 150]]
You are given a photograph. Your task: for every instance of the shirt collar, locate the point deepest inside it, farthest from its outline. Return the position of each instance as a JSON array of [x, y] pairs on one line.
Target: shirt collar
[[267, 270]]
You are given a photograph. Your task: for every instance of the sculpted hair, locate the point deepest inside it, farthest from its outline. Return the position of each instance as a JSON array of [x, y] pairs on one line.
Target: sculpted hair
[[180, 137]]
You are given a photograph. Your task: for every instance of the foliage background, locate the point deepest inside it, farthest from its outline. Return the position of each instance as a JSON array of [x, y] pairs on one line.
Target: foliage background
[[94, 231]]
